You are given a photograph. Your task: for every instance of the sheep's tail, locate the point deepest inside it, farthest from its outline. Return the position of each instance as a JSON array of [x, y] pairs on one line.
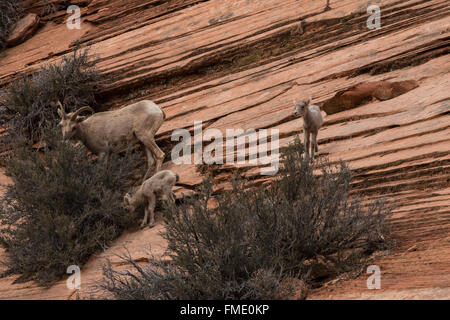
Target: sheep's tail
[[177, 177]]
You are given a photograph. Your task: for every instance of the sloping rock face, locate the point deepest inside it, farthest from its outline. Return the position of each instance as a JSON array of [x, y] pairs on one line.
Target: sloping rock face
[[23, 29], [238, 64]]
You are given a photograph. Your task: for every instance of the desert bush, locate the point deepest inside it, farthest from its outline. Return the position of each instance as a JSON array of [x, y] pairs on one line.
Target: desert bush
[[9, 14], [245, 243], [62, 206], [162, 281], [72, 81]]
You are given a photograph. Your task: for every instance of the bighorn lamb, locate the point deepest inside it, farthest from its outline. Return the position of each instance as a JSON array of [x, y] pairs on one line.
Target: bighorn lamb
[[161, 183], [312, 121], [135, 123]]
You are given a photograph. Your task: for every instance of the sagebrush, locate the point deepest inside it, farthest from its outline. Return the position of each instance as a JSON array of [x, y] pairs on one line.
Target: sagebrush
[[247, 243], [9, 14], [73, 81], [63, 205]]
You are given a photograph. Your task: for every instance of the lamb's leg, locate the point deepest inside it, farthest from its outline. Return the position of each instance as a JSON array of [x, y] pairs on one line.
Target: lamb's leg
[[144, 221], [169, 194], [151, 209], [313, 145], [306, 133]]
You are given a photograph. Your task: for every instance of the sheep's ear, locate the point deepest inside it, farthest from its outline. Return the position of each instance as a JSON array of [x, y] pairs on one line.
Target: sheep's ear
[[309, 100], [295, 102], [81, 118], [125, 199]]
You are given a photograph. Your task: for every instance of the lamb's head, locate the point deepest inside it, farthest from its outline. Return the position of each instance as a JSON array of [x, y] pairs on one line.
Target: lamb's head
[[69, 121], [128, 202], [300, 107]]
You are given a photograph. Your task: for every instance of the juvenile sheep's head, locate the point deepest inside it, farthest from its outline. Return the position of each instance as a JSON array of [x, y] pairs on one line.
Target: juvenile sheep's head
[[69, 121], [300, 107], [128, 203]]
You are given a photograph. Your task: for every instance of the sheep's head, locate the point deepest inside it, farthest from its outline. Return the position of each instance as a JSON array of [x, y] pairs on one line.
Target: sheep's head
[[300, 107], [128, 203], [69, 121]]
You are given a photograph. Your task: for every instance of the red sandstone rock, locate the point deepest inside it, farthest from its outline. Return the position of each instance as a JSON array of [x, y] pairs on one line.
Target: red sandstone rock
[[23, 29], [364, 93], [397, 145]]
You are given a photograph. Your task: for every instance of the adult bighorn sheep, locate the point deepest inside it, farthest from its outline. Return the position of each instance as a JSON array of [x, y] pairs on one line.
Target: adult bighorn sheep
[[160, 184], [135, 123], [312, 122]]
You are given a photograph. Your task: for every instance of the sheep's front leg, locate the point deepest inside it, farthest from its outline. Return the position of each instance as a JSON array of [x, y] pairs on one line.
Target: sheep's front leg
[[151, 209], [144, 221], [105, 154], [306, 133], [314, 145]]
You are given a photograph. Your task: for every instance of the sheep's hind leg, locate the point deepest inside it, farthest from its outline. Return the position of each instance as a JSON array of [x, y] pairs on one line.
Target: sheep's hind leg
[[157, 153], [150, 163]]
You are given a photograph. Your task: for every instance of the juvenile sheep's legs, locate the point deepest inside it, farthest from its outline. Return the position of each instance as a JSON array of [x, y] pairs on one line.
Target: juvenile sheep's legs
[[150, 210], [144, 221], [314, 145], [169, 194], [307, 143]]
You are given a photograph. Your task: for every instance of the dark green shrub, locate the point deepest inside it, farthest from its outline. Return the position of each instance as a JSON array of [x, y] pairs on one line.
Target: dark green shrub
[[9, 14], [246, 244], [72, 81], [63, 205]]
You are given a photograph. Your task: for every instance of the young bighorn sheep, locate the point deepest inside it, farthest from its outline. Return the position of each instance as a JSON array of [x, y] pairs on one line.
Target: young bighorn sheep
[[312, 121], [160, 184], [135, 123]]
